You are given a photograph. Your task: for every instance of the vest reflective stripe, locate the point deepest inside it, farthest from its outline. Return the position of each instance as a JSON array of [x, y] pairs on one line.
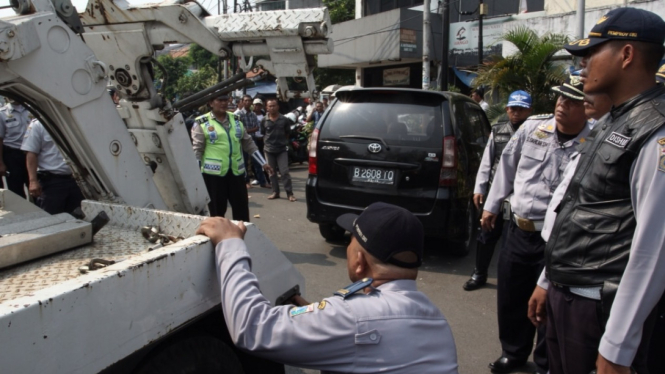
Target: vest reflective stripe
[[225, 150]]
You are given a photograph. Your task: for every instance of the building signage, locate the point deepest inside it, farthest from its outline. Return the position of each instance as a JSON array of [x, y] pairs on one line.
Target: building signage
[[397, 77], [464, 35], [407, 40]]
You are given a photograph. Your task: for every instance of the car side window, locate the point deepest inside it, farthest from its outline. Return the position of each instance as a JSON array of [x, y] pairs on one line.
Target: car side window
[[476, 125]]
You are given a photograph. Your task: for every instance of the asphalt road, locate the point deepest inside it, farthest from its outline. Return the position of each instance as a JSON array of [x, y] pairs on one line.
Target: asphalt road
[[472, 315]]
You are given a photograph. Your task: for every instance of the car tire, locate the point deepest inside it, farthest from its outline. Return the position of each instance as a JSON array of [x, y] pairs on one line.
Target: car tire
[[331, 232], [469, 240], [194, 354]]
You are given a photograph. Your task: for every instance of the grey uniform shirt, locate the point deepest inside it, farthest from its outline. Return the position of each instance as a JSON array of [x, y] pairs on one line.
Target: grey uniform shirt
[[393, 329], [532, 165], [49, 158], [485, 169], [14, 120], [199, 139]]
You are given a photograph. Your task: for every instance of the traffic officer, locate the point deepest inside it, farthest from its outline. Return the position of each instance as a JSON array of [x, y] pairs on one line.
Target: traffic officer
[[531, 165], [380, 323], [518, 110], [14, 120], [219, 139], [606, 252], [51, 181]]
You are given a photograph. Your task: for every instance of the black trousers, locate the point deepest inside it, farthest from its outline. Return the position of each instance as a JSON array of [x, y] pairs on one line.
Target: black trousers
[[520, 263], [17, 175], [60, 194], [230, 188], [485, 247], [575, 325]]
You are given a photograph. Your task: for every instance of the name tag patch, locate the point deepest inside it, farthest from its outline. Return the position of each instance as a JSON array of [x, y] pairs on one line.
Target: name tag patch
[[301, 310], [618, 140], [537, 142]]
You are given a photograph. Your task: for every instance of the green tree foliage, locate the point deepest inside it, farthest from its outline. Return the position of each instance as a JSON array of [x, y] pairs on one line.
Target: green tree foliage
[[202, 57], [531, 68], [196, 81], [340, 11], [175, 69]]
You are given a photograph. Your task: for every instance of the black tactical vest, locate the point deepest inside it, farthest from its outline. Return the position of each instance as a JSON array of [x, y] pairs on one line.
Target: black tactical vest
[[593, 232], [501, 134]]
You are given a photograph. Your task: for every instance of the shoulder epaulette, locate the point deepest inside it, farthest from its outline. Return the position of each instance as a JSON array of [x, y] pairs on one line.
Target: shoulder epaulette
[[354, 287], [542, 116]]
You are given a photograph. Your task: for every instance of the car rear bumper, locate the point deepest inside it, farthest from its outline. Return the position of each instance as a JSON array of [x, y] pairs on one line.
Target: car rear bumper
[[436, 222]]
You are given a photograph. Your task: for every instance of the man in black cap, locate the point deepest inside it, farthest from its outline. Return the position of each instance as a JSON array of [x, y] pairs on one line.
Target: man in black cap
[[219, 139], [604, 258], [380, 323]]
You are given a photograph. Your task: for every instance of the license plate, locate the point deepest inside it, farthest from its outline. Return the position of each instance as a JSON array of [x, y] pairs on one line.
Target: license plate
[[373, 175]]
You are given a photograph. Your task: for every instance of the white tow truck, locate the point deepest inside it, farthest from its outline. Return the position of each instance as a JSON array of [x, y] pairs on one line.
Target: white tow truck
[[138, 292]]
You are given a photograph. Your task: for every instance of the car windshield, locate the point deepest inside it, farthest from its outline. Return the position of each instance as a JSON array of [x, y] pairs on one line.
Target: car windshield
[[397, 117]]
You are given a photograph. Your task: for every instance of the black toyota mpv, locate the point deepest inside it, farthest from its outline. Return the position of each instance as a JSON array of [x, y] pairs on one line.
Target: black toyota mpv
[[416, 149]]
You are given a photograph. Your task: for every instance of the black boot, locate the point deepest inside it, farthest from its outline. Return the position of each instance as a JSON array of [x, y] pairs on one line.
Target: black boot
[[477, 280]]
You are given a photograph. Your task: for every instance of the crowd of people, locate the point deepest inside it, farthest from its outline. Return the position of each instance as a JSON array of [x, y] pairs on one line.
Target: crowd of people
[[582, 238]]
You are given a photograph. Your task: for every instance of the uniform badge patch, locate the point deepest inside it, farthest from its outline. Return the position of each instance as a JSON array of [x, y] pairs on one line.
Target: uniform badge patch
[[540, 134], [301, 310], [661, 155], [618, 140], [322, 305], [582, 140]]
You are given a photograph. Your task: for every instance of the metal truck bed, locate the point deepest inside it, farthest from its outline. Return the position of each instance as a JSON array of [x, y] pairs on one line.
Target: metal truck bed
[[55, 319]]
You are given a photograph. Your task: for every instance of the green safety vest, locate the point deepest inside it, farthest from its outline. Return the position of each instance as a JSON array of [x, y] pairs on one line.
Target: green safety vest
[[223, 148]]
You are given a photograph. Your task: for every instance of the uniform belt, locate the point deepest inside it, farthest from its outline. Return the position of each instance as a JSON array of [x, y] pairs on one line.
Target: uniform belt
[[527, 224], [592, 292], [49, 175]]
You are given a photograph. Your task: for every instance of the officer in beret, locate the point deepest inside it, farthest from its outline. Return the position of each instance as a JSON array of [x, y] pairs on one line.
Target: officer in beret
[[518, 109], [380, 323], [219, 139], [604, 258], [531, 165]]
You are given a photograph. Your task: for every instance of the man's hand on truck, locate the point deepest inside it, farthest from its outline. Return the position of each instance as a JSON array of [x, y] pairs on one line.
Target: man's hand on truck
[[219, 228]]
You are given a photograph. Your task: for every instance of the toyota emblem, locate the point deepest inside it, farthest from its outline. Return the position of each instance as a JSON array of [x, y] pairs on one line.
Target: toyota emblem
[[374, 148]]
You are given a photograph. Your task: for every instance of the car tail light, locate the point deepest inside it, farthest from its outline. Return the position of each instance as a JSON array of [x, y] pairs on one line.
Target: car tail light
[[448, 176], [312, 151]]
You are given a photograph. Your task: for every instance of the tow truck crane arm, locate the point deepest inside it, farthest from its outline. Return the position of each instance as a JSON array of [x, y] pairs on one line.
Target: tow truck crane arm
[[59, 63]]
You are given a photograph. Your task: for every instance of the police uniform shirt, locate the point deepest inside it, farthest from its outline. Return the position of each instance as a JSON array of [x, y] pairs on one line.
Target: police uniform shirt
[[49, 158], [485, 169], [393, 329], [14, 120], [532, 165], [199, 138]]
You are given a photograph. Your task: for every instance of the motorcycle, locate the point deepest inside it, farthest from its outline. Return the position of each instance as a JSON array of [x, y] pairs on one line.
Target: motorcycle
[[298, 140]]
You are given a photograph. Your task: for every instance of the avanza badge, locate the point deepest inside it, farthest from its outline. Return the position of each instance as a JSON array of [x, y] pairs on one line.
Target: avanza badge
[[618, 140]]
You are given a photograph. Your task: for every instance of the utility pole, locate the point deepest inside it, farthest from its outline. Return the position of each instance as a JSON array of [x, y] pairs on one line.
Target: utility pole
[[445, 36], [482, 11], [426, 33], [579, 32]]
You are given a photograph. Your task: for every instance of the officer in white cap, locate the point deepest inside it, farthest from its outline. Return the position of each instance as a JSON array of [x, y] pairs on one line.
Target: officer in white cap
[[14, 120], [531, 165]]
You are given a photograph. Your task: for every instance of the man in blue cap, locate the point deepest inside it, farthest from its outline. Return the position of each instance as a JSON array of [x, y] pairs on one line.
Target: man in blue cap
[[518, 109], [529, 170], [603, 276]]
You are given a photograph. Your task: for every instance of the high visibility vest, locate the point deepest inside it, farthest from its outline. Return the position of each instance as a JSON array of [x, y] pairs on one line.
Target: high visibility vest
[[223, 148]]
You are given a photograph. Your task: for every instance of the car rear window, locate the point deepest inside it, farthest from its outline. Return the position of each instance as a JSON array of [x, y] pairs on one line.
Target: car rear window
[[398, 118]]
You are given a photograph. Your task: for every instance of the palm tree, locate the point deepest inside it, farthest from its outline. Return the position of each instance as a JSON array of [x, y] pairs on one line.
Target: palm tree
[[531, 68]]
